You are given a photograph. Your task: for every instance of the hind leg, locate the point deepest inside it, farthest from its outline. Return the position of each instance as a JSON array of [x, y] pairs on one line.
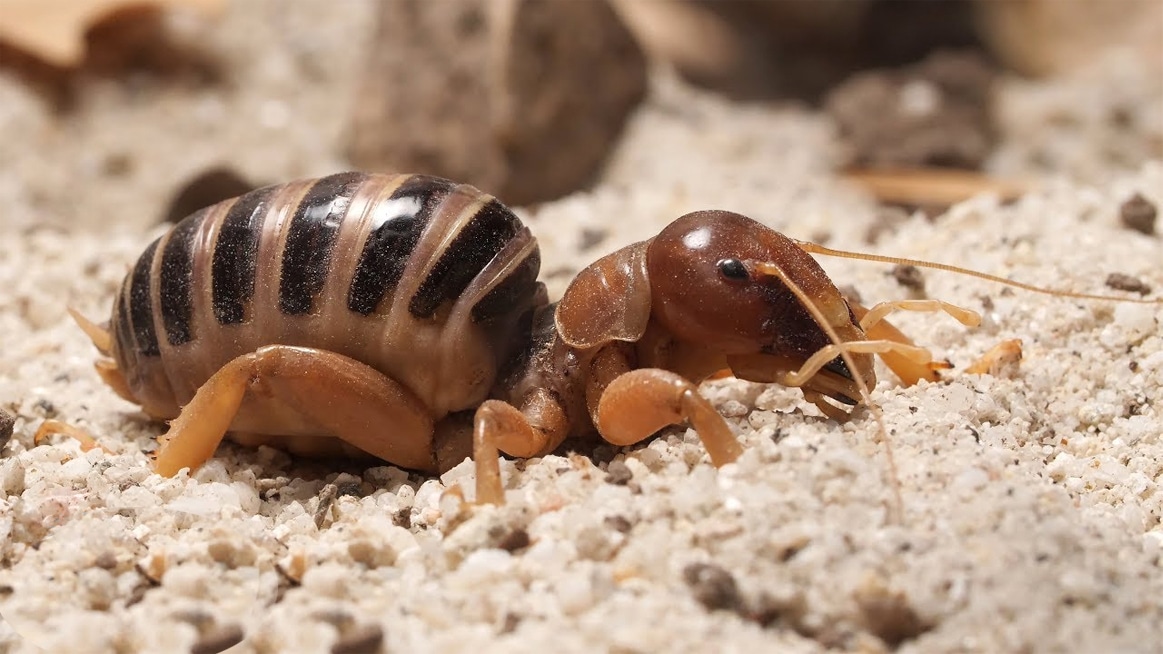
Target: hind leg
[[326, 392]]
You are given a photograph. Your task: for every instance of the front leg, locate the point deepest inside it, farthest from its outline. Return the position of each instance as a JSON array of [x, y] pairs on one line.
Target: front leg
[[641, 402], [627, 406]]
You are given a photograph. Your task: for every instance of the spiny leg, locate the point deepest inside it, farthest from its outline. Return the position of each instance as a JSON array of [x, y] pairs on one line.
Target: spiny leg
[[540, 425], [106, 368], [100, 336], [536, 428], [337, 395]]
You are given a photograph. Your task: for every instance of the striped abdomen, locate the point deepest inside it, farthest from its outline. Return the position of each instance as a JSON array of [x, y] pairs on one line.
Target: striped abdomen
[[423, 279]]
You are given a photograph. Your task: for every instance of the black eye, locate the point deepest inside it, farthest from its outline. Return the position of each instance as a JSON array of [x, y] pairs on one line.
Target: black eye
[[733, 270]]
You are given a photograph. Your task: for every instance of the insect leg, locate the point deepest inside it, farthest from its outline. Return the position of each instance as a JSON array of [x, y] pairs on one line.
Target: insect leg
[[870, 317], [536, 428], [909, 369], [638, 403], [99, 334], [339, 396]]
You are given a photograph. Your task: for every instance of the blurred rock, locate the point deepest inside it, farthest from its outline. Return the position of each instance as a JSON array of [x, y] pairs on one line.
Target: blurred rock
[[208, 187], [799, 48], [1138, 213], [749, 50], [54, 30], [7, 422], [792, 48], [936, 113], [522, 98], [1044, 37]]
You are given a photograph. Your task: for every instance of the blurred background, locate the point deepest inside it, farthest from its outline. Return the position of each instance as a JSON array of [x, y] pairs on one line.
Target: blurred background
[[134, 112]]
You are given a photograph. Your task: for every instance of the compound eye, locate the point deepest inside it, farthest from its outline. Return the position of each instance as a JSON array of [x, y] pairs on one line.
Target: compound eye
[[733, 270]]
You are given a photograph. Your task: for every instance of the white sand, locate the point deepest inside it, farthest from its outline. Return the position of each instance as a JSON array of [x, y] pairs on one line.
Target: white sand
[[1032, 508]]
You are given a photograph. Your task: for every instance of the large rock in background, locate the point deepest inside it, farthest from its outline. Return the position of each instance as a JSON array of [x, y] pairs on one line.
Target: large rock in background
[[792, 48], [523, 98], [1047, 37], [800, 48]]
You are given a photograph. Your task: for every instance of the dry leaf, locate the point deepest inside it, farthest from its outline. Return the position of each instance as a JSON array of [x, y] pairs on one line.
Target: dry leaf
[[1002, 358], [932, 186], [54, 30]]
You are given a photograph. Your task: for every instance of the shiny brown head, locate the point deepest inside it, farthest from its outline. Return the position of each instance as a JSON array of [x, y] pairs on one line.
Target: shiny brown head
[[714, 282]]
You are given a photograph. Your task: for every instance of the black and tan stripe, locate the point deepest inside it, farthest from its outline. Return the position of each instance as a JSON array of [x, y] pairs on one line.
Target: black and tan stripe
[[235, 258], [139, 303], [422, 236], [512, 292], [311, 238], [480, 239], [176, 278], [397, 225]]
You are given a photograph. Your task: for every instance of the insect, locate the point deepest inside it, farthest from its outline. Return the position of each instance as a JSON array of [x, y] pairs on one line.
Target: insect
[[401, 316]]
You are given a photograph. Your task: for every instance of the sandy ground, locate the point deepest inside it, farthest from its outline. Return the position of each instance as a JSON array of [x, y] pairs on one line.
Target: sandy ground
[[1032, 514]]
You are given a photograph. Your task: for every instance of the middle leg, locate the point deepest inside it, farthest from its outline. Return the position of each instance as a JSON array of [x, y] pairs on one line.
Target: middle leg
[[536, 428]]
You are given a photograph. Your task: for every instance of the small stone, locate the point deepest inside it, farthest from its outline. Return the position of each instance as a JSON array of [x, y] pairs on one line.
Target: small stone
[[1045, 38], [11, 477], [597, 543], [46, 408], [514, 539], [934, 113], [231, 554], [359, 639], [910, 277], [98, 588], [618, 523], [492, 94], [888, 613], [7, 422], [592, 238], [349, 489], [106, 560], [218, 638], [1121, 282], [1138, 213], [618, 473], [370, 553], [712, 586], [322, 515]]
